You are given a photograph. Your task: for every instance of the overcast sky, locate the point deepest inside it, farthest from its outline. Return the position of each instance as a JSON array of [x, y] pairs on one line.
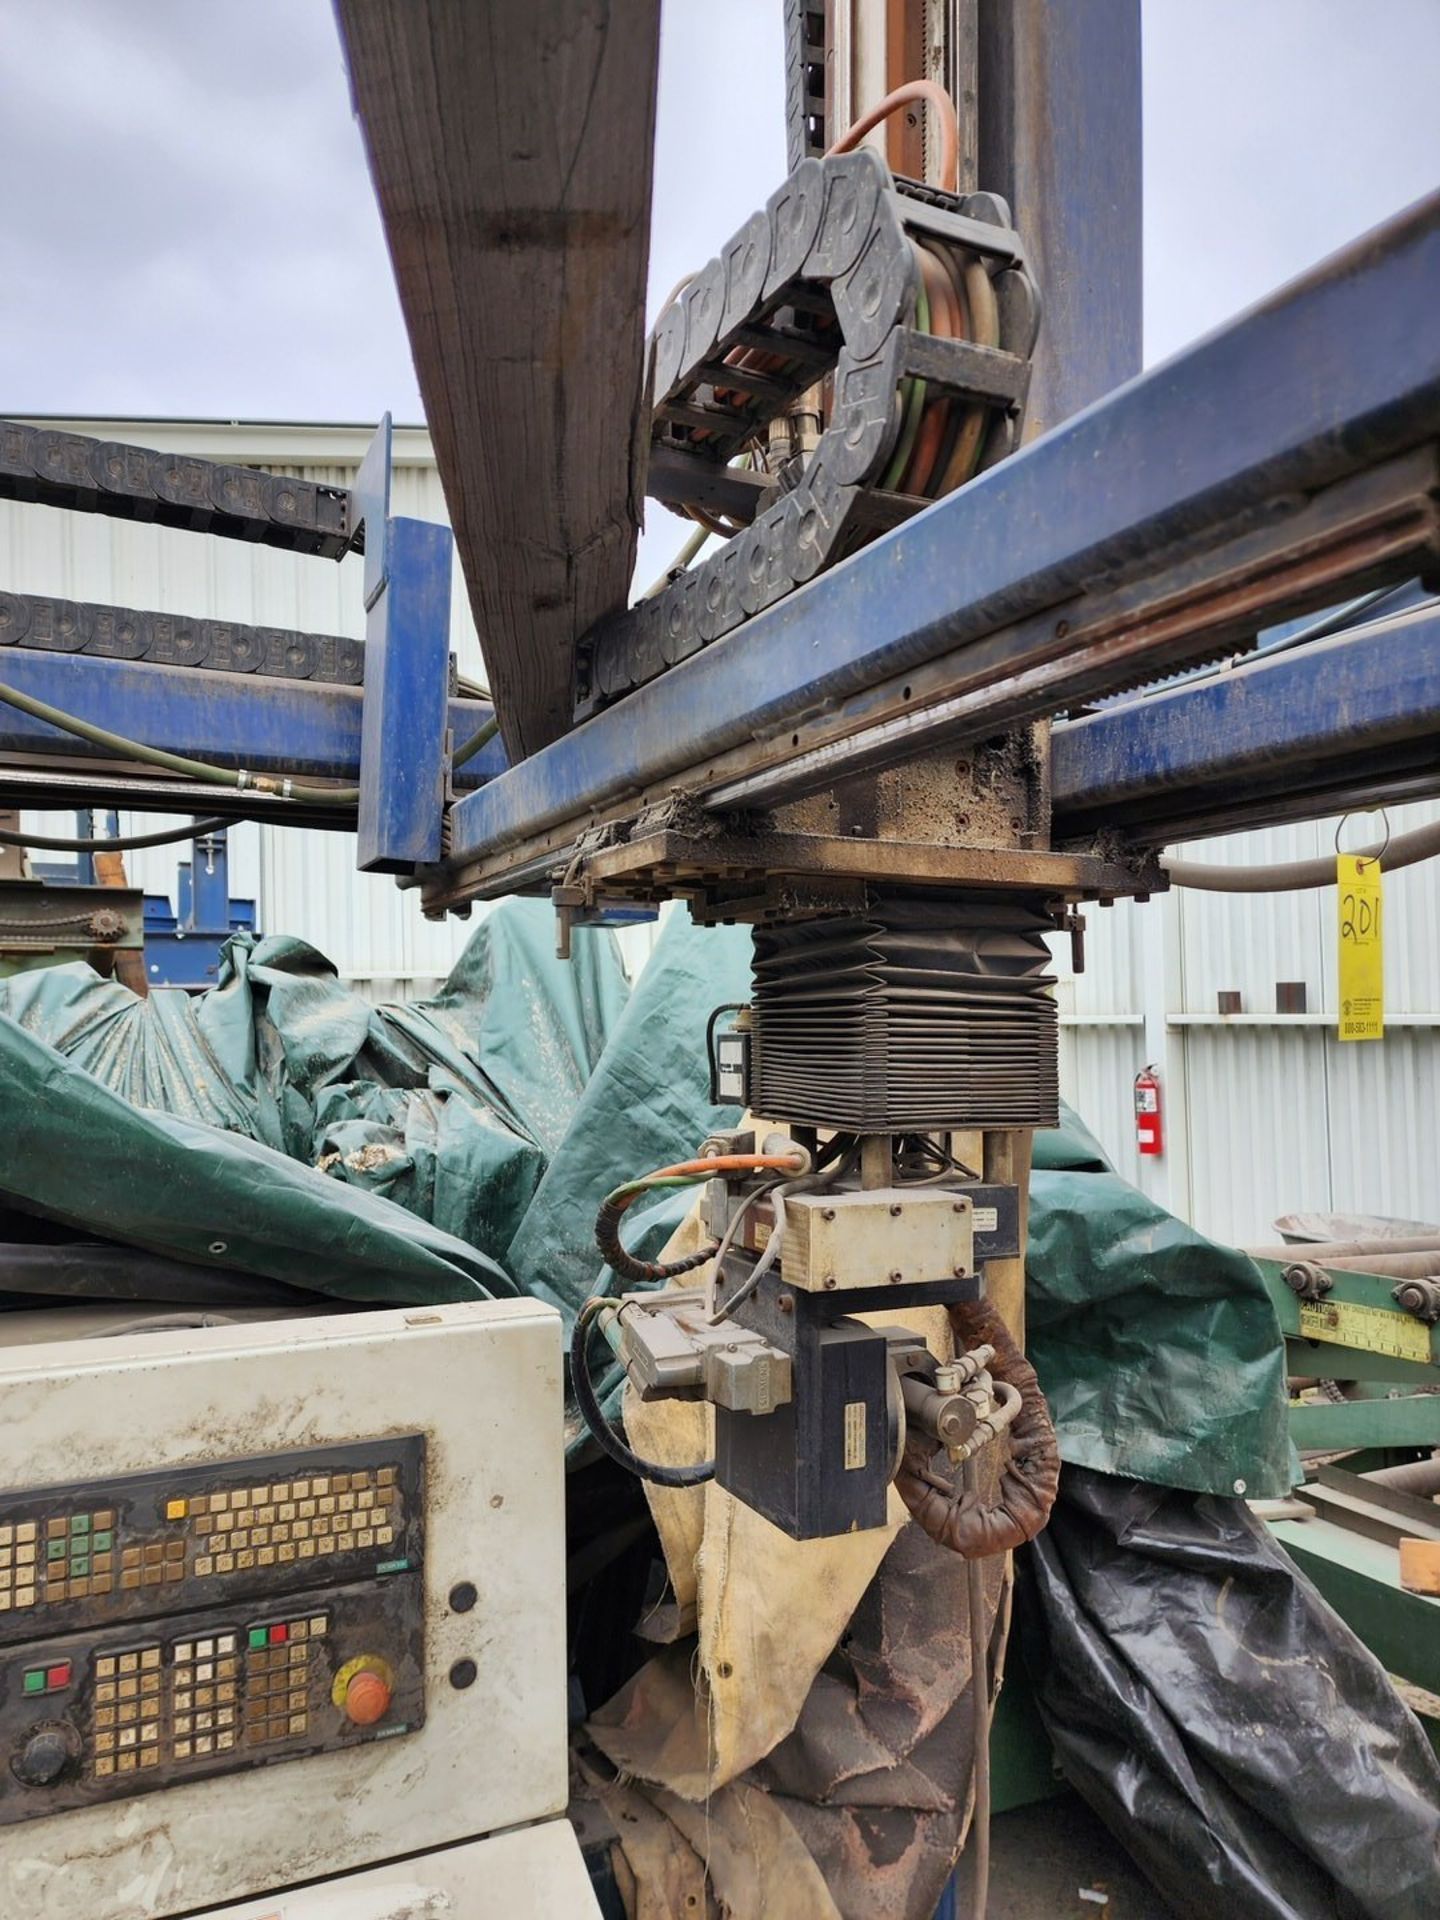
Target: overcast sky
[[188, 227]]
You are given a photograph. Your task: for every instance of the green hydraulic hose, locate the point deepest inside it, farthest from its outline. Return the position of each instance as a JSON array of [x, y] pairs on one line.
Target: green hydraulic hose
[[481, 737], [914, 403], [681, 561], [201, 770]]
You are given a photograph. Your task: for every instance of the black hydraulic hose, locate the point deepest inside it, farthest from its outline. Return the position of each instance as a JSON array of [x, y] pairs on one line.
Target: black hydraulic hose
[[122, 843], [1294, 876], [640, 1273], [601, 1431]]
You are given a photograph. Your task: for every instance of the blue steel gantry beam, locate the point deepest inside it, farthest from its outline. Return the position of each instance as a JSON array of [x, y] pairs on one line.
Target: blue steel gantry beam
[[223, 692], [1356, 717], [1084, 563]]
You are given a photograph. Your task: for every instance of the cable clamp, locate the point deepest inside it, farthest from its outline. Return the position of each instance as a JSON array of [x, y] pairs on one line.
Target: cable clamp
[[285, 787], [242, 780]]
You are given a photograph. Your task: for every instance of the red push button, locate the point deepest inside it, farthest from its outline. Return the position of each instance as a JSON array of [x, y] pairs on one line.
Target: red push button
[[57, 1677], [367, 1698], [279, 1634]]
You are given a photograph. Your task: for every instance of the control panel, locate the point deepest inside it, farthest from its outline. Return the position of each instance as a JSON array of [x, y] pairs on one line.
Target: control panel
[[280, 1601], [168, 1625]]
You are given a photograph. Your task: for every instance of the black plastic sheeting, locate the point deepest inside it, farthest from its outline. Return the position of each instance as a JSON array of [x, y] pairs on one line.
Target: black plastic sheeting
[[1219, 1717]]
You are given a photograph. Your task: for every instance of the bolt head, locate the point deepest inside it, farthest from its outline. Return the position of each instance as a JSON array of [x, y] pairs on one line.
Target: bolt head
[[786, 1302], [896, 1277], [827, 1213], [828, 1281], [896, 1211]]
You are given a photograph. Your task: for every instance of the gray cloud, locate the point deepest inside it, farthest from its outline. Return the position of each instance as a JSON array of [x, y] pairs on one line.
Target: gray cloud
[[188, 226], [1275, 131]]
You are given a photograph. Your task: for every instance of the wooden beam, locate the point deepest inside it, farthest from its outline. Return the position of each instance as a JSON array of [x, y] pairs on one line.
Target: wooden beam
[[510, 143]]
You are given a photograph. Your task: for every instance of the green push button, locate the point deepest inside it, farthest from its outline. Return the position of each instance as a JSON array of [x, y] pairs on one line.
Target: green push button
[[259, 1637], [102, 1542], [80, 1524], [80, 1566], [54, 1549], [35, 1680]]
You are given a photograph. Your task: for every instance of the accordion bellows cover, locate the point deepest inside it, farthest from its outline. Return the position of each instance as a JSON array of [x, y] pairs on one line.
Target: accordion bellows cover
[[916, 1016]]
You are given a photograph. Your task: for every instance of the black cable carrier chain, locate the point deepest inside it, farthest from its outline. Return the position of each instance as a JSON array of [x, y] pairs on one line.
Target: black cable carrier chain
[[177, 640], [825, 278], [174, 490]]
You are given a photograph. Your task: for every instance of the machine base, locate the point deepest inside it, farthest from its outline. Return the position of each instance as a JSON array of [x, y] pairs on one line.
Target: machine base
[[526, 1874]]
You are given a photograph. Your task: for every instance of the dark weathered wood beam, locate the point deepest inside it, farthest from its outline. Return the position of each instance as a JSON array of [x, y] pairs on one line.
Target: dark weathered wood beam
[[510, 143]]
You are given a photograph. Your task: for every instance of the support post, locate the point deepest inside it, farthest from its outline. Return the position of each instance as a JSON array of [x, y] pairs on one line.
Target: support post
[[1059, 106], [402, 732]]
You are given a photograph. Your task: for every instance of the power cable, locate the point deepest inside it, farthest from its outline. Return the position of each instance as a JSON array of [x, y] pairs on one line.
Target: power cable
[[122, 843], [601, 1431], [932, 94], [1296, 876]]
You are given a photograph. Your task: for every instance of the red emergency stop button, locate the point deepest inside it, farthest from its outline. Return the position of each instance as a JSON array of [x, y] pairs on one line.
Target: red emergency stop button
[[367, 1698]]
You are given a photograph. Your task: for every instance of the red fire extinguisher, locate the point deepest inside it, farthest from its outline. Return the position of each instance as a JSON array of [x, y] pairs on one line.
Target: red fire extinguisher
[[1149, 1119]]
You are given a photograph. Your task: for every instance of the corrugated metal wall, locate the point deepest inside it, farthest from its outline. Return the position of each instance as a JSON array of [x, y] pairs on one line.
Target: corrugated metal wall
[[1264, 1113]]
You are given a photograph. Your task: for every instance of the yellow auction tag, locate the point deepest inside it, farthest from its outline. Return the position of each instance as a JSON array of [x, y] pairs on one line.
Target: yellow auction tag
[[1362, 964]]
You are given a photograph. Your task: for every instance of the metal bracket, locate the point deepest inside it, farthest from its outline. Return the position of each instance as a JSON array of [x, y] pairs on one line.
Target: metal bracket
[[371, 508]]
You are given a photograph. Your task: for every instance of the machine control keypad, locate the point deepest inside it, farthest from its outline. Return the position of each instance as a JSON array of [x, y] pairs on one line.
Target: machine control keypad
[[155, 1542], [182, 1624]]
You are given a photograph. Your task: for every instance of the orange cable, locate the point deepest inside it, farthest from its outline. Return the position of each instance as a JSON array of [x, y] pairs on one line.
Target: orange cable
[[934, 95]]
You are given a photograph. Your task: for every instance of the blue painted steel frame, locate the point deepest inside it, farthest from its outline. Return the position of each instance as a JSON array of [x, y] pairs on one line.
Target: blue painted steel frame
[[407, 664], [269, 726], [1333, 374], [407, 641], [1292, 721], [182, 945]]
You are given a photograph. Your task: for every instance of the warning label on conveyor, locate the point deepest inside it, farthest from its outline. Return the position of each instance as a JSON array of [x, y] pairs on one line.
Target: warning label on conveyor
[[1375, 1329]]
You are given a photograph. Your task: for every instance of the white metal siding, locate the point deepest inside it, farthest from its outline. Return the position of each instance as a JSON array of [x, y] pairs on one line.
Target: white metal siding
[[1265, 1113]]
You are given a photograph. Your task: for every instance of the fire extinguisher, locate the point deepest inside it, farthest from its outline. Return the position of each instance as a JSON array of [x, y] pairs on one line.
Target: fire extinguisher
[[1149, 1119]]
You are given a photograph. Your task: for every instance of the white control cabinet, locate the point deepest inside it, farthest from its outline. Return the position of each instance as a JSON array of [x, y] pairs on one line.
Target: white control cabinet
[[279, 1603]]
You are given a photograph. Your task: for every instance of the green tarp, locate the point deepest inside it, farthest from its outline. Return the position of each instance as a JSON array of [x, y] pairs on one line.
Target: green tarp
[[81, 1155], [463, 1144], [1159, 1350], [451, 1106], [647, 1106]]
